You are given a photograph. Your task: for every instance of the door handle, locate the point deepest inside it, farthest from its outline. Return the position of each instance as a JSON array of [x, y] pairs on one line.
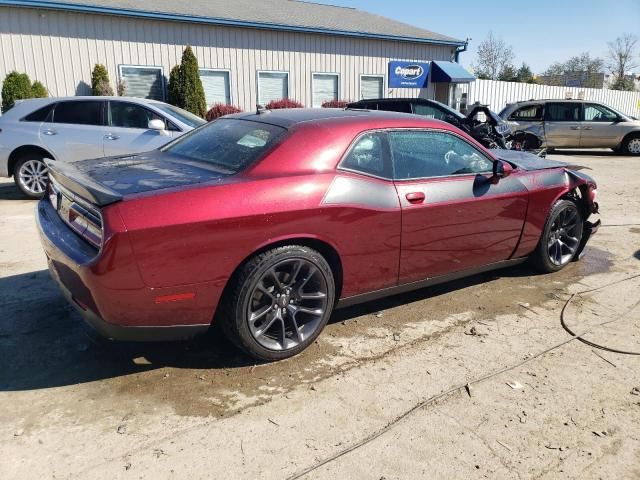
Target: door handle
[[587, 128], [111, 136], [574, 128], [415, 197], [50, 132]]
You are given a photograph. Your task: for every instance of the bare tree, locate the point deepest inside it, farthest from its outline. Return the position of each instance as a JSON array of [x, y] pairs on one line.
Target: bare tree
[[495, 56], [621, 59]]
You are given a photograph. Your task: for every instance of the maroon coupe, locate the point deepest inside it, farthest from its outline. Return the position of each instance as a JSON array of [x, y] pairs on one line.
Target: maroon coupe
[[266, 222]]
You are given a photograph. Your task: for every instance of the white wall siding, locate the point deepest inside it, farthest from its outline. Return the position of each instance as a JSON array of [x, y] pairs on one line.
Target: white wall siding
[[498, 94], [61, 48]]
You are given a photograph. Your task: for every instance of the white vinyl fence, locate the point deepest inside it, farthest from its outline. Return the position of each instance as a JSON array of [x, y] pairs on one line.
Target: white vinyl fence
[[498, 94]]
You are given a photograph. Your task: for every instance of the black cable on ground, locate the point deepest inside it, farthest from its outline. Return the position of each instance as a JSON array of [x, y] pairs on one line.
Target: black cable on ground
[[370, 438], [588, 342]]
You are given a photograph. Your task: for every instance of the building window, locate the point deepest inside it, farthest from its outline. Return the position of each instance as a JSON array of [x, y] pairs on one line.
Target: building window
[[371, 86], [216, 86], [142, 82], [272, 86], [324, 88]]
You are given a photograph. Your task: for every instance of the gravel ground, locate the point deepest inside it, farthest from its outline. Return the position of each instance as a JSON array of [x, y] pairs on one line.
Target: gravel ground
[[75, 406]]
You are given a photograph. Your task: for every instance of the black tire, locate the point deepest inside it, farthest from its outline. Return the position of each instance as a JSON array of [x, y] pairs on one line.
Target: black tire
[[631, 145], [250, 290], [549, 255], [27, 175]]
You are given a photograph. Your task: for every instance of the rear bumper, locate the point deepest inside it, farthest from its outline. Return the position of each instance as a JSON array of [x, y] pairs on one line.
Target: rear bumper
[[71, 263]]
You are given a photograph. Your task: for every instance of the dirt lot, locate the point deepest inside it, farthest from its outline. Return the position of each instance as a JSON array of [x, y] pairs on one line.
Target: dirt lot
[[74, 406]]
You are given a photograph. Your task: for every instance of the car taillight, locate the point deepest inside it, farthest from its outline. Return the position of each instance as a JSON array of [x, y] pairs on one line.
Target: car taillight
[[81, 216], [53, 193], [85, 223]]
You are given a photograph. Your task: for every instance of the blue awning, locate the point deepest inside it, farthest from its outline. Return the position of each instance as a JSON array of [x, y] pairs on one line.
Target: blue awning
[[449, 72]]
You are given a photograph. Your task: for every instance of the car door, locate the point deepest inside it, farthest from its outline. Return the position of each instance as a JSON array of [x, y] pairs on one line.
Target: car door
[[455, 215], [74, 130], [562, 124], [600, 127], [128, 129]]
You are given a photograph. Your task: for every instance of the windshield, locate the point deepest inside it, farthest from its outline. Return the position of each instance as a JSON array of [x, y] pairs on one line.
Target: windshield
[[226, 143], [185, 117]]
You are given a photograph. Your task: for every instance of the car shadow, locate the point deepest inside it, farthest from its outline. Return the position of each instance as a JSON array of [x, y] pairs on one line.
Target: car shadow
[[44, 343], [9, 191]]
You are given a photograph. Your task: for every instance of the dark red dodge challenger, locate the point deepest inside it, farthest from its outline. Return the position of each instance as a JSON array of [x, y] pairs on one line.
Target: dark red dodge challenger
[[266, 222]]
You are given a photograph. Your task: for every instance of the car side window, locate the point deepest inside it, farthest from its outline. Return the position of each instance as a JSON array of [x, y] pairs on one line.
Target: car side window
[[562, 112], [530, 113], [598, 113], [402, 107], [79, 112], [369, 156], [130, 115], [428, 111], [40, 115], [423, 154]]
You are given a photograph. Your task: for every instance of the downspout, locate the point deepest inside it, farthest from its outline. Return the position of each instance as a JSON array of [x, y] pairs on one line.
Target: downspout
[[460, 49]]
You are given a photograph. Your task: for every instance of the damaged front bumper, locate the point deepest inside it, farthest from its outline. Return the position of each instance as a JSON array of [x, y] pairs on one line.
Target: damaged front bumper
[[587, 231]]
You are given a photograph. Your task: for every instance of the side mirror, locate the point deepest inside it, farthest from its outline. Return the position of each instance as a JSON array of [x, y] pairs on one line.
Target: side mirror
[[156, 124], [501, 169]]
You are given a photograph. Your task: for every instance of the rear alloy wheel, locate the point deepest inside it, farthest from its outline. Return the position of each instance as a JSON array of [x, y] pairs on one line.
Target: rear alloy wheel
[[283, 299], [631, 146], [31, 176], [561, 237]]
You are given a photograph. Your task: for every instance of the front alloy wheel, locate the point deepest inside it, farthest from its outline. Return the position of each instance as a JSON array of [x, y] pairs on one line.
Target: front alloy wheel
[[561, 237], [31, 177], [282, 300]]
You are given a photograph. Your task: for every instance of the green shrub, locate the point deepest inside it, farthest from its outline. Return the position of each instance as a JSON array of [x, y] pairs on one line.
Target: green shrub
[[100, 84], [38, 90], [16, 86], [174, 91]]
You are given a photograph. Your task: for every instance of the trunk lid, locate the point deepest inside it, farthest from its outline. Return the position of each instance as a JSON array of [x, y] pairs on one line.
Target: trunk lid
[[103, 181]]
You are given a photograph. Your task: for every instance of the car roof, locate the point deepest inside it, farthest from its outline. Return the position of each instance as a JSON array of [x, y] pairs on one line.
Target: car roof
[[291, 117], [47, 100], [391, 100], [545, 100]]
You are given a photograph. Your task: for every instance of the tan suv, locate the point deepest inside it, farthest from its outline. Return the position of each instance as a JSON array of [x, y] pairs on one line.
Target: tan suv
[[575, 124]]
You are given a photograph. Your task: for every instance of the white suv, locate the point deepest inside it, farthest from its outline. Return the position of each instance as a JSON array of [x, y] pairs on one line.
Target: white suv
[[77, 128]]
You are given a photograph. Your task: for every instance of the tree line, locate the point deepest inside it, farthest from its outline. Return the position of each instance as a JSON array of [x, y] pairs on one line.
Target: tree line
[[495, 61]]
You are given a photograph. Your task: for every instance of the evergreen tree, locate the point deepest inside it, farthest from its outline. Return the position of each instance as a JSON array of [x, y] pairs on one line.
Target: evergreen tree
[[100, 84], [191, 85]]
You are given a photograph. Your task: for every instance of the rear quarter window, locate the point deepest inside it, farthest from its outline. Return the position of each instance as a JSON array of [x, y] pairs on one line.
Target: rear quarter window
[[40, 115]]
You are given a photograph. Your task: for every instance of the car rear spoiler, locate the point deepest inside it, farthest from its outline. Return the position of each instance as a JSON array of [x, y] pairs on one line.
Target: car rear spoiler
[[69, 177]]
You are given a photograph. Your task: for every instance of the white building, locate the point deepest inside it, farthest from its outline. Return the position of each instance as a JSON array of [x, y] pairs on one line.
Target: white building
[[249, 51]]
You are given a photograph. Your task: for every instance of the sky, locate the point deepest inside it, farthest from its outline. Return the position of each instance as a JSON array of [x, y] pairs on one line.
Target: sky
[[540, 32]]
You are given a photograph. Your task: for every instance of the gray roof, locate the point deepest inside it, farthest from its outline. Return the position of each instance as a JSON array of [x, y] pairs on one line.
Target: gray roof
[[273, 14]]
